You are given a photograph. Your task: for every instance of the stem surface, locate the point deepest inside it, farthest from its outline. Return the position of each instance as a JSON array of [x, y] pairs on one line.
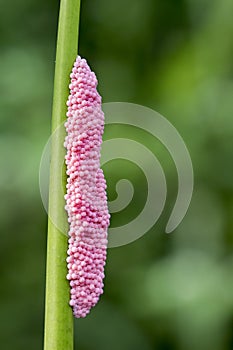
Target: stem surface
[[58, 314]]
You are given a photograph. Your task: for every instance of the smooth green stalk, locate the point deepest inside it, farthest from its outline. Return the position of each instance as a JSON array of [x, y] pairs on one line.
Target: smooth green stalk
[[58, 313]]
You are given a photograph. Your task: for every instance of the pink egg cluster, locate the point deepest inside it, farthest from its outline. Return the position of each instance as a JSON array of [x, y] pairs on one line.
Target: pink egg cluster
[[86, 201]]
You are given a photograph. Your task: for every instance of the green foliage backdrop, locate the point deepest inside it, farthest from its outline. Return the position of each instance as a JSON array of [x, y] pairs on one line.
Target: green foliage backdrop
[[163, 292]]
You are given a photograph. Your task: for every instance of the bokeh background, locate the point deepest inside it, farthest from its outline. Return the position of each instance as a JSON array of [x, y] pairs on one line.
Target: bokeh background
[[163, 292]]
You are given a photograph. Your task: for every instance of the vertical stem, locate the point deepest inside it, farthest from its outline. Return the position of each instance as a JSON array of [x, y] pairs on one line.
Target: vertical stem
[[58, 314]]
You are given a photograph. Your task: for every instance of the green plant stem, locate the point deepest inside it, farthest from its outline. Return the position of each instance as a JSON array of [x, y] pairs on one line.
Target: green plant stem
[[58, 313]]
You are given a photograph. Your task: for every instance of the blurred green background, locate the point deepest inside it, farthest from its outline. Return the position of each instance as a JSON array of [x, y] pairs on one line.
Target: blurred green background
[[162, 292]]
